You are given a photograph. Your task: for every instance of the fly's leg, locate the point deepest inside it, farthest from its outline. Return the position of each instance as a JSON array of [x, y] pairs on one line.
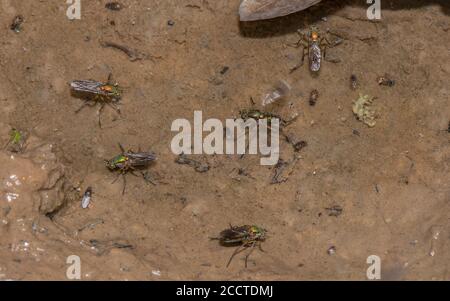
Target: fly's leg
[[337, 42], [260, 247], [121, 148], [124, 183], [109, 82], [325, 44], [304, 53], [86, 103], [302, 42], [237, 251], [132, 172], [114, 107], [99, 112], [252, 248], [115, 179], [8, 143]]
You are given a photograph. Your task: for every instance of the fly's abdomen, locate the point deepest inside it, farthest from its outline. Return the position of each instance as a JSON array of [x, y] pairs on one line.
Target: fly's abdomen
[[315, 57]]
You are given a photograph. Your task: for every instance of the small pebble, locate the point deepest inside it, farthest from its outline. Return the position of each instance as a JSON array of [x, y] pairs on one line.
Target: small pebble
[[15, 26], [86, 198], [224, 70], [331, 250], [113, 6]]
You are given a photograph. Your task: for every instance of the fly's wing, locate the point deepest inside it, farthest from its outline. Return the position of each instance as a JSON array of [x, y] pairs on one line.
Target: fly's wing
[[315, 57], [253, 10], [86, 86], [140, 159], [86, 89], [233, 235]]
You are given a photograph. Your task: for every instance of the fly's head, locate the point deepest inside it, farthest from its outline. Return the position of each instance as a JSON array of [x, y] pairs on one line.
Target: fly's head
[[257, 233]]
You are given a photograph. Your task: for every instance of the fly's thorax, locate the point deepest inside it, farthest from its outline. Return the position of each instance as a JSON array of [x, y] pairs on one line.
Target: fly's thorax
[[314, 34], [112, 90], [116, 162]]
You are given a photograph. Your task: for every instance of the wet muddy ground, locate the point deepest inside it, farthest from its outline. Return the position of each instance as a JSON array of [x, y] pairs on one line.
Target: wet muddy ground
[[389, 184]]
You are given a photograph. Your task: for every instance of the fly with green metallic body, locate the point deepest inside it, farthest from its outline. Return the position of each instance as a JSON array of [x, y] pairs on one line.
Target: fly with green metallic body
[[16, 142], [93, 92], [244, 237], [129, 162]]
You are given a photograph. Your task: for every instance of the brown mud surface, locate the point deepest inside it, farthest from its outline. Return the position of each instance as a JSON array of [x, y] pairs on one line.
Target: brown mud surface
[[391, 181]]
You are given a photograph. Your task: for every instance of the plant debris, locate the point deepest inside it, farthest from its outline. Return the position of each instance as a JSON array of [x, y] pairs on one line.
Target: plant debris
[[353, 82], [362, 108], [16, 23], [238, 173], [102, 247], [385, 81], [334, 210], [198, 166], [282, 172], [92, 224], [314, 96], [133, 54], [298, 145]]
